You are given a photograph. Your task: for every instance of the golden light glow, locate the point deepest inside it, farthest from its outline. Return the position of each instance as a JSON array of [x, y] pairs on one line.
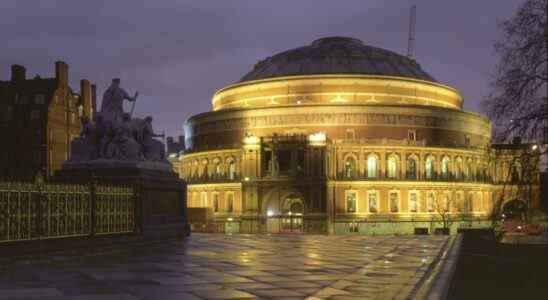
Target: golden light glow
[[252, 140], [317, 139], [336, 89]]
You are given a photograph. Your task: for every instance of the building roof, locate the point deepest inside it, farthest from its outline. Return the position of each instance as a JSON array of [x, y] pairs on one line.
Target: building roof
[[337, 55], [32, 85]]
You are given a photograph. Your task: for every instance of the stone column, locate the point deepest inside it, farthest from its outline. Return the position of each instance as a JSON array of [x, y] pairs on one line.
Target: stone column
[[382, 162], [330, 209], [362, 165], [403, 164]]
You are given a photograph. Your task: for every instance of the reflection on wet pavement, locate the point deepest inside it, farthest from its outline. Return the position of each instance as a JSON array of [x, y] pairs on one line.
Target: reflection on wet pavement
[[214, 266]]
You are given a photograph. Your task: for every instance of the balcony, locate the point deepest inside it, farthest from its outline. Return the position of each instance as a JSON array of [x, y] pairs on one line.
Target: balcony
[[214, 178], [420, 177]]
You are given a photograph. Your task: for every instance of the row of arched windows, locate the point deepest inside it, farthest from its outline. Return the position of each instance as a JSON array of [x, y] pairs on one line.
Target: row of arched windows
[[448, 169], [215, 169], [434, 202]]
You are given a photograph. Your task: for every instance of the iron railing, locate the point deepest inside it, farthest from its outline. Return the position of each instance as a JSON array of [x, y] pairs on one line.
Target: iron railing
[[34, 211]]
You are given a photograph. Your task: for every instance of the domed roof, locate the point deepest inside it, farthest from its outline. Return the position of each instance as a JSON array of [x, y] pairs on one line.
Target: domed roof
[[337, 55]]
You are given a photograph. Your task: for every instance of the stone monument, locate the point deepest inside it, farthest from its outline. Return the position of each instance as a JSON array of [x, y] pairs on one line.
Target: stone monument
[[117, 148]]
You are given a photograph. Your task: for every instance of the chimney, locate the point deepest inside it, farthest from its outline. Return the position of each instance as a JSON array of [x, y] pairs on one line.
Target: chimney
[[93, 100], [85, 97], [61, 73], [18, 73]]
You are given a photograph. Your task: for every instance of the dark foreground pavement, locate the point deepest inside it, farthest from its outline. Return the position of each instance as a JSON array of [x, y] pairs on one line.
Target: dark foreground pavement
[[487, 270], [212, 266]]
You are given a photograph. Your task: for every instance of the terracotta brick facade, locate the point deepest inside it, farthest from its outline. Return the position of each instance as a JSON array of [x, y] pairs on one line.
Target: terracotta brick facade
[[38, 119]]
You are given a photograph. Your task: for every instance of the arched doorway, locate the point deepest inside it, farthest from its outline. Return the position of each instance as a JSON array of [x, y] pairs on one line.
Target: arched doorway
[[292, 215], [514, 210]]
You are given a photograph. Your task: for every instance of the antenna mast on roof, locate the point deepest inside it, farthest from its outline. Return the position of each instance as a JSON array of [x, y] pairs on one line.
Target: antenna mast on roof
[[412, 21]]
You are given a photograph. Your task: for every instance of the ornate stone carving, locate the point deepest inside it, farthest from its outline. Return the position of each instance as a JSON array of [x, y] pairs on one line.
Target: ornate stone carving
[[241, 123], [116, 138]]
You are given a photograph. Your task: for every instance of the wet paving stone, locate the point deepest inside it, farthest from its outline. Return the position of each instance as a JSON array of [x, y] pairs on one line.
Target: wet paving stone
[[214, 266]]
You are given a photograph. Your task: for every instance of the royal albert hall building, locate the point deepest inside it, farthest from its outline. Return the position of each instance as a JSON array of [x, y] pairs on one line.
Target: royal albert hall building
[[334, 137]]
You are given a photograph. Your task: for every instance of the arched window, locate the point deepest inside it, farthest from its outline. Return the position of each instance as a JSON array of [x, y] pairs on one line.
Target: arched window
[[413, 201], [445, 167], [468, 203], [218, 169], [411, 172], [372, 166], [231, 170], [479, 170], [215, 201], [430, 199], [350, 167], [515, 172], [392, 167], [429, 167], [230, 202], [351, 201], [203, 168], [467, 169], [394, 202], [372, 199], [458, 168]]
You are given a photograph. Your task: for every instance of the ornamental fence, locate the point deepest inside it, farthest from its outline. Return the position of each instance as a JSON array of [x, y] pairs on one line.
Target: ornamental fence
[[35, 211]]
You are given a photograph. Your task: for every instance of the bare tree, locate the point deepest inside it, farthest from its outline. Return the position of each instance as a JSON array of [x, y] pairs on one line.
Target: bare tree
[[522, 177], [448, 210], [518, 104]]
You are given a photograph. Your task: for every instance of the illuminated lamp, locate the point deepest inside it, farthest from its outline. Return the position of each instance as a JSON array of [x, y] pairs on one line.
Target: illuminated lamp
[[317, 139], [251, 140]]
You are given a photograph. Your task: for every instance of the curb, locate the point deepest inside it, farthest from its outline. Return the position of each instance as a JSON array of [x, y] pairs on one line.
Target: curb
[[438, 283]]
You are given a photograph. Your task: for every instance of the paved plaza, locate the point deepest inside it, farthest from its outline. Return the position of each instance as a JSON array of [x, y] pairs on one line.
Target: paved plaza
[[215, 266]]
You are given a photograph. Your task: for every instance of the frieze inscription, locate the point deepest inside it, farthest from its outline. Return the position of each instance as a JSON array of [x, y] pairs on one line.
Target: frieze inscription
[[236, 124]]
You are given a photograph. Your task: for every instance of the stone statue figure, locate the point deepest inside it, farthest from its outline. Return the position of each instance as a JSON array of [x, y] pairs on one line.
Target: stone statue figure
[[112, 107], [152, 149], [82, 147], [123, 146], [114, 138]]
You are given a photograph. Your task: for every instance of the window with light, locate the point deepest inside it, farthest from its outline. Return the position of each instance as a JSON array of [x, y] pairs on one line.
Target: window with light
[[373, 203], [445, 167], [429, 168], [413, 202], [411, 168], [394, 202], [372, 166], [351, 201], [350, 167], [430, 199], [392, 167]]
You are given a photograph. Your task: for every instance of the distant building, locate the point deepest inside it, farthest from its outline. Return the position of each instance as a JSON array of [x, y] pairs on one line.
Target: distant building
[[38, 119], [174, 147], [341, 137]]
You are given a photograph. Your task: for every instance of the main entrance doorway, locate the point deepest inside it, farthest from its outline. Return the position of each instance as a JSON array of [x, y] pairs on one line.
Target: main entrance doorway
[[292, 215]]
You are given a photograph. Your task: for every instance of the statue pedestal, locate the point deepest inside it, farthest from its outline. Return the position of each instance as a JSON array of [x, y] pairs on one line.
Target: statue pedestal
[[161, 196]]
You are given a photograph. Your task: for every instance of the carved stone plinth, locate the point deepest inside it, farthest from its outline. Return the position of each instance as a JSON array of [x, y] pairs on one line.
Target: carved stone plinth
[[160, 195]]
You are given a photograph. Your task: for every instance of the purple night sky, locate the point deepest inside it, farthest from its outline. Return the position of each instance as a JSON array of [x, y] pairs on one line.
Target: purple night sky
[[178, 53]]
